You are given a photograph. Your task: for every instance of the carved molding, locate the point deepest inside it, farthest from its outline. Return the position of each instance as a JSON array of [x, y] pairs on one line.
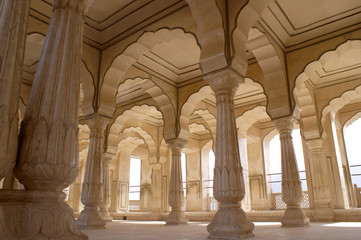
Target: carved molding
[[36, 215]]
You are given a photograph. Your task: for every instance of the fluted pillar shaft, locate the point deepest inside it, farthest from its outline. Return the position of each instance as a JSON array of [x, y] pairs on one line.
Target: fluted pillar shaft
[[319, 171], [104, 207], [13, 25], [92, 188], [291, 183], [176, 193], [48, 142], [230, 221]]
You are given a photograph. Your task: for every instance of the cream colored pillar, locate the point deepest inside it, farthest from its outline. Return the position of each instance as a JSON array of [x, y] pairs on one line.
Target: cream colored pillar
[[176, 193], [230, 221], [246, 202], [291, 184], [156, 202], [319, 172], [48, 143], [104, 206], [13, 24], [92, 188]]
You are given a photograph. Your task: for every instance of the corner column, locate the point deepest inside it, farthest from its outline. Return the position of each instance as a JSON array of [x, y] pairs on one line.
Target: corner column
[[92, 188], [230, 221], [321, 191], [291, 184], [13, 25], [104, 207], [176, 193]]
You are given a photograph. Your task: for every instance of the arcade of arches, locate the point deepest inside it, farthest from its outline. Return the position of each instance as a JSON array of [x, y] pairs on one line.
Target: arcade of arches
[[169, 110]]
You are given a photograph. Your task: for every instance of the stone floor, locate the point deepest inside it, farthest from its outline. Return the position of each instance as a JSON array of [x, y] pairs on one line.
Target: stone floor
[[137, 230]]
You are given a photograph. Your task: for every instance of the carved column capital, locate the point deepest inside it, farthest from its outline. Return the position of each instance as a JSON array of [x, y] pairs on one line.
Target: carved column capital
[[314, 145], [176, 144], [78, 5], [96, 122], [226, 81], [285, 124]]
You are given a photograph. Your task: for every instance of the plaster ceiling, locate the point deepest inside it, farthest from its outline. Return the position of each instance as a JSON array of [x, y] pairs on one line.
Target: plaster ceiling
[[295, 23], [109, 21]]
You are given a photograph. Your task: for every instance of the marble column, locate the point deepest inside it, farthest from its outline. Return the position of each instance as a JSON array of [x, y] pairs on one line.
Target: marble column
[[230, 221], [319, 172], [176, 193], [48, 142], [246, 202], [104, 206], [291, 184], [13, 25], [92, 188], [156, 202]]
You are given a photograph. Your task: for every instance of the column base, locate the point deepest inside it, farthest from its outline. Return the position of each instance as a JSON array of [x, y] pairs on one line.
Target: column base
[[295, 217], [34, 215], [106, 215], [323, 214], [176, 217], [230, 222], [156, 216], [90, 218]]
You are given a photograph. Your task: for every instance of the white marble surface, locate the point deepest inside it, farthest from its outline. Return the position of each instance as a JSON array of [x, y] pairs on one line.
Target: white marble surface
[[134, 230]]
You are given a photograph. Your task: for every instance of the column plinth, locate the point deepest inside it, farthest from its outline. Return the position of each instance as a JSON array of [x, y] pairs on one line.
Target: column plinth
[[92, 189], [230, 221], [291, 184], [176, 193]]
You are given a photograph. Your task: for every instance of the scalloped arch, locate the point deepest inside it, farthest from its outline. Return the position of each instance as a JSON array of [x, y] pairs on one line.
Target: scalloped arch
[[188, 108], [303, 98], [337, 103], [117, 127], [210, 34], [245, 20], [248, 118], [164, 103], [274, 74], [130, 131], [130, 55]]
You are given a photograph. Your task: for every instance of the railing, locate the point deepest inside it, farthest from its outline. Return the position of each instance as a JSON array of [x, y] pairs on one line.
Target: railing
[[279, 204], [134, 205], [356, 174]]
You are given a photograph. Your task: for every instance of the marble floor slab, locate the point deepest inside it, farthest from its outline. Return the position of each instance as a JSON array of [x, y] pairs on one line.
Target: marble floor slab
[[138, 230]]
